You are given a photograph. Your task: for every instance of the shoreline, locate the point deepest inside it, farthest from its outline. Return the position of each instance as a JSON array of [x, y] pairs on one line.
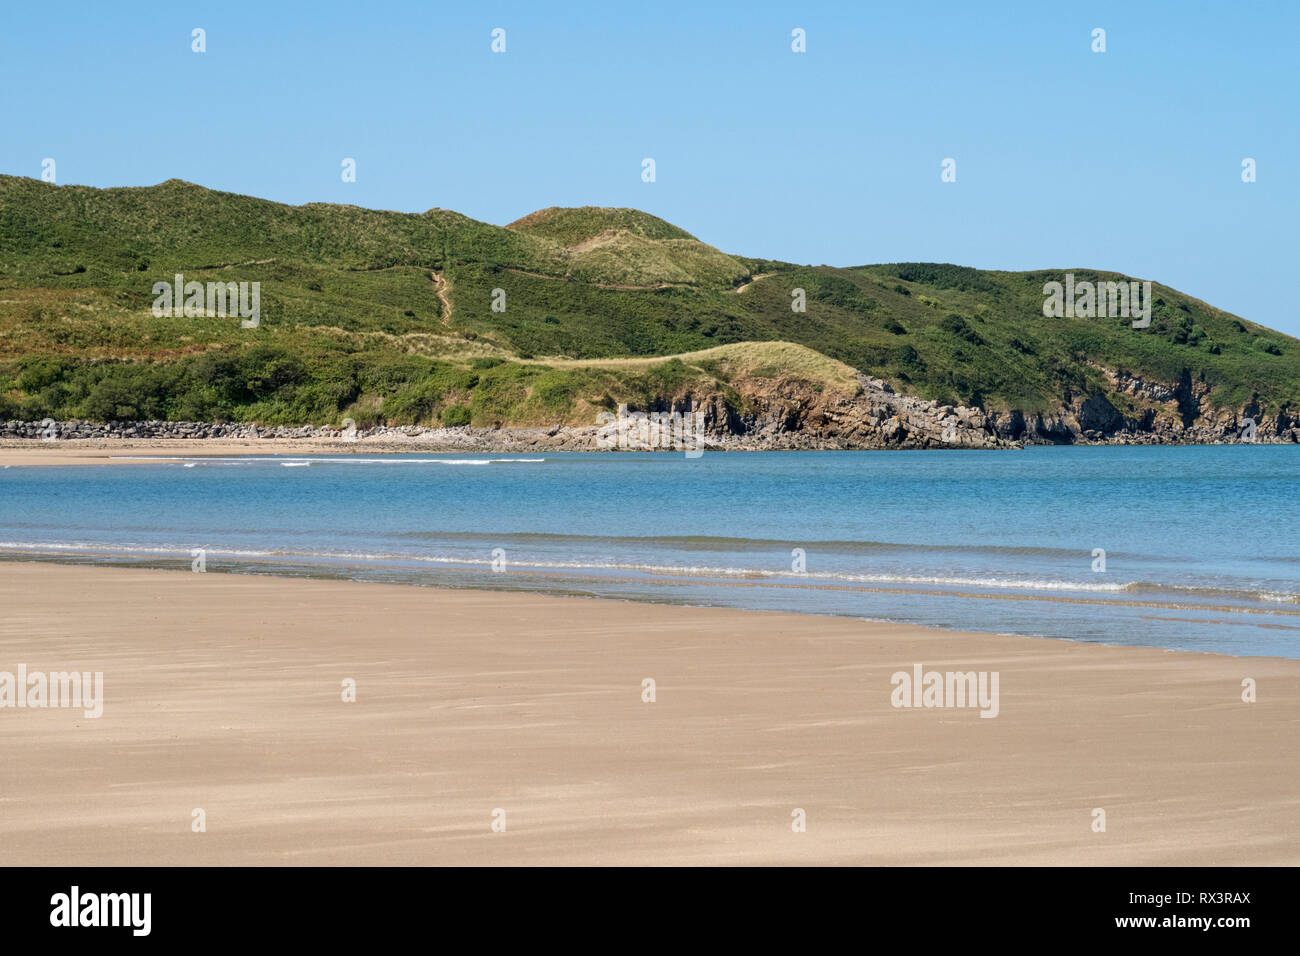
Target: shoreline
[[17, 452], [91, 558], [222, 692], [14, 453]]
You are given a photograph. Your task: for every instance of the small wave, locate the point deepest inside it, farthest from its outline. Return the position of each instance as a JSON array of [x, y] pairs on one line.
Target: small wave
[[264, 459], [700, 542], [1204, 591], [1279, 598], [690, 573], [686, 571]]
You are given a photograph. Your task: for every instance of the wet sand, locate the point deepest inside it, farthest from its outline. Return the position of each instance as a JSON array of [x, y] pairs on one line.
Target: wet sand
[[223, 692]]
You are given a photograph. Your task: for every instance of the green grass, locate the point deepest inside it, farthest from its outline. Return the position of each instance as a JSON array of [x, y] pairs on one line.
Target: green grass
[[572, 226], [352, 324]]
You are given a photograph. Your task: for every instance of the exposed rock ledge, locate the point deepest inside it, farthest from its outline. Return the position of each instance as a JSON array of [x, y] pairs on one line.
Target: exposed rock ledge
[[787, 415]]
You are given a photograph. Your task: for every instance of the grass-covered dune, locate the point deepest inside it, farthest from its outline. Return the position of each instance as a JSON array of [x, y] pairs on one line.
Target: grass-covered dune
[[389, 317]]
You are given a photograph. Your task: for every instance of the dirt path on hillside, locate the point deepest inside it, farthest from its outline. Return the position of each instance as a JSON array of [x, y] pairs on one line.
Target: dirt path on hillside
[[745, 285], [440, 287]]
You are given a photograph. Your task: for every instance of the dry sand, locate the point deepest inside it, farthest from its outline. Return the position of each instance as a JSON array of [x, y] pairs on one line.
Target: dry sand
[[126, 451], [223, 692]]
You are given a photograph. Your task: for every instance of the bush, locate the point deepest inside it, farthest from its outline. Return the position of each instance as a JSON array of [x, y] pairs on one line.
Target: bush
[[554, 391], [455, 416], [268, 370], [412, 404], [112, 401], [943, 275], [40, 373], [956, 325], [908, 358]]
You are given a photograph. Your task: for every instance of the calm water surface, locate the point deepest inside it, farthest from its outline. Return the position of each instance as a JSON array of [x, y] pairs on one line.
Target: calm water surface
[[1202, 544]]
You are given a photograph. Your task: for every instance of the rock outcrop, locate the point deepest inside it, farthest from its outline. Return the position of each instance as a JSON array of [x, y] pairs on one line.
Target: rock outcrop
[[786, 414]]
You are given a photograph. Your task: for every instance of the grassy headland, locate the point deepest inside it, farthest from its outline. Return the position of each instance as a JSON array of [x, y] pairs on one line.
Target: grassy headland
[[388, 317]]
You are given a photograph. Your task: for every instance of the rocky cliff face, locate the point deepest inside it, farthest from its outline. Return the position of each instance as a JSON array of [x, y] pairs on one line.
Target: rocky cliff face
[[784, 414], [798, 415], [791, 414], [1181, 412]]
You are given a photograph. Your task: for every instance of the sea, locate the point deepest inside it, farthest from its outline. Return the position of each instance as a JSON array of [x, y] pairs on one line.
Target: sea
[[1185, 547]]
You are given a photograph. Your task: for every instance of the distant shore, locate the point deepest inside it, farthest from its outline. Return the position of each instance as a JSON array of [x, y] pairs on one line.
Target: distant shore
[[93, 451], [224, 694], [116, 451]]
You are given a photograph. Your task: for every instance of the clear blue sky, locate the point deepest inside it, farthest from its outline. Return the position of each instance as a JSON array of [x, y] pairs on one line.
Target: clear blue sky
[[1128, 160]]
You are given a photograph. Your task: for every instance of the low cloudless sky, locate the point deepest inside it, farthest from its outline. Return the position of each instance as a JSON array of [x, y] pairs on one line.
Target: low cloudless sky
[[1127, 160]]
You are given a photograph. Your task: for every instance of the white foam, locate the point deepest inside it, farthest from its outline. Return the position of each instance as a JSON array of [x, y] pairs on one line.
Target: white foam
[[254, 459]]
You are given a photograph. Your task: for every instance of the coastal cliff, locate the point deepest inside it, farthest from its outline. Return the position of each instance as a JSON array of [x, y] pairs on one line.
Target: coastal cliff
[[147, 310]]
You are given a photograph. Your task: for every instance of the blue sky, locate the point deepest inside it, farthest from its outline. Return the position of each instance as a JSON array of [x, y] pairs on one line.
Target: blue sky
[[1127, 160]]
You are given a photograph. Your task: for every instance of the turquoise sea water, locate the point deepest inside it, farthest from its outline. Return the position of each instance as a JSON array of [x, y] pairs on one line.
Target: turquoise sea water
[[1202, 544]]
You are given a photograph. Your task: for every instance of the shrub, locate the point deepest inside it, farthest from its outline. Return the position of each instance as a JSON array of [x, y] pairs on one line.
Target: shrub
[[455, 416], [957, 326], [554, 391], [411, 404], [112, 401], [40, 373], [908, 358]]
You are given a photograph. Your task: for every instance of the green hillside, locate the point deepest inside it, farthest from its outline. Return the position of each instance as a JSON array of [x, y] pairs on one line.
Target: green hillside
[[384, 316], [571, 226]]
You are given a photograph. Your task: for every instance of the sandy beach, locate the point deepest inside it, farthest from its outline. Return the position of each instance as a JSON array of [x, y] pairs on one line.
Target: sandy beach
[[223, 693], [18, 453]]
